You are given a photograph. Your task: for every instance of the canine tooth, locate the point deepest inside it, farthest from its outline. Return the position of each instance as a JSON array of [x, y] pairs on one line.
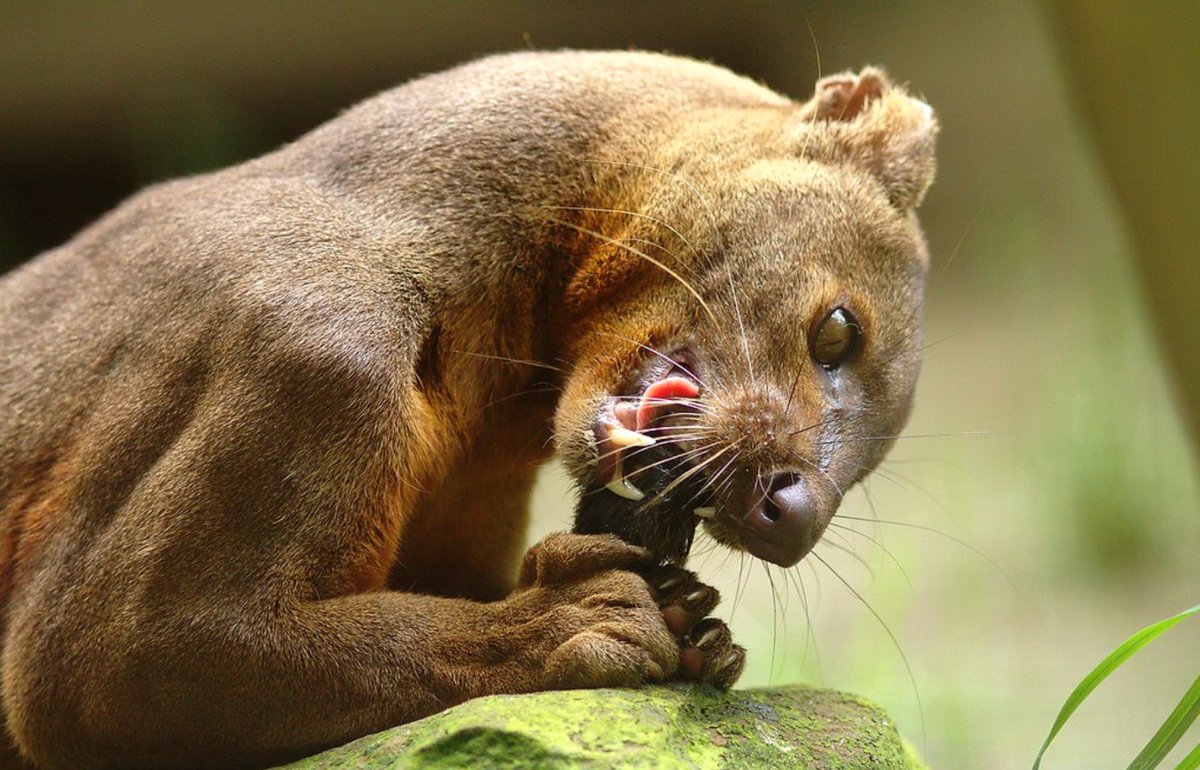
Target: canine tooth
[[624, 437], [706, 512], [621, 486]]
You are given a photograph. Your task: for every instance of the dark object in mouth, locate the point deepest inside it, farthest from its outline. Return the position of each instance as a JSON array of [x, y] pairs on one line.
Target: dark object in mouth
[[664, 521]]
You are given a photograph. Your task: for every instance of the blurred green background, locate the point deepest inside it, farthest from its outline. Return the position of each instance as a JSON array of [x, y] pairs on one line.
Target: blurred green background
[[1045, 506]]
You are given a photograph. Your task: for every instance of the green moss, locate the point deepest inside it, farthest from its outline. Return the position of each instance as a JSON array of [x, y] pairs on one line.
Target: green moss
[[658, 728], [484, 747]]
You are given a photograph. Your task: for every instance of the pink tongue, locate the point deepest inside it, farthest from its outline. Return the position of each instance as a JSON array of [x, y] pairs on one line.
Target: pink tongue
[[656, 396]]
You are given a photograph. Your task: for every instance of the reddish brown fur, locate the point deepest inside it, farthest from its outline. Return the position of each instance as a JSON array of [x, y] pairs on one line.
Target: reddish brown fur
[[267, 435], [35, 495]]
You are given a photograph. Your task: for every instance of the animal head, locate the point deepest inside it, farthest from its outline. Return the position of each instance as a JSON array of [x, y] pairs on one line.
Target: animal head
[[745, 325]]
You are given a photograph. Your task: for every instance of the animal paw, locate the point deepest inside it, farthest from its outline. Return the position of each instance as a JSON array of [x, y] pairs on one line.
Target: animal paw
[[707, 652], [710, 656], [684, 600], [592, 611], [580, 617]]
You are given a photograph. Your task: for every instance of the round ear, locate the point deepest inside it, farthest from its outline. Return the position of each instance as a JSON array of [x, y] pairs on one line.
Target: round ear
[[867, 121]]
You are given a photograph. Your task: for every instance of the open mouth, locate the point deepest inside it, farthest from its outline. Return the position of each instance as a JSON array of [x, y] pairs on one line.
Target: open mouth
[[645, 426], [647, 487]]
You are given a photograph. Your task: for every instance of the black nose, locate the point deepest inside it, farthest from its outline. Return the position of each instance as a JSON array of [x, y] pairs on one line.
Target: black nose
[[780, 525]]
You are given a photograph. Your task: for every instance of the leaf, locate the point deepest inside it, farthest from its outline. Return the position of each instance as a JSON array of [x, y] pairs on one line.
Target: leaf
[[1171, 731], [1106, 667], [1191, 761]]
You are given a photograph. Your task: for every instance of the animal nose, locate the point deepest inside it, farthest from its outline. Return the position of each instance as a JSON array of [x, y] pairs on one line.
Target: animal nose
[[781, 522]]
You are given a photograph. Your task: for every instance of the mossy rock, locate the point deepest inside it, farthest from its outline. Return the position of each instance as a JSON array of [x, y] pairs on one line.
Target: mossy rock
[[656, 728]]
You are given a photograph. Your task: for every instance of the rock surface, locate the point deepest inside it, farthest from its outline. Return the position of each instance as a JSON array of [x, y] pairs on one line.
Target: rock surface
[[660, 728]]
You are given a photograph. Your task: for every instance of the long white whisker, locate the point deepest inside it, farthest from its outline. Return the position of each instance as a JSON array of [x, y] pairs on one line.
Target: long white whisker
[[638, 214], [817, 51], [691, 472], [848, 438], [742, 583], [638, 252], [665, 357], [935, 531], [506, 359], [673, 458], [810, 635], [887, 629], [774, 621]]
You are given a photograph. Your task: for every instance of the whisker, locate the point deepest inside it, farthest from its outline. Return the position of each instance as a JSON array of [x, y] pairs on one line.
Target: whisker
[[841, 493], [737, 310], [660, 247], [506, 359], [817, 51], [787, 409], [741, 585], [888, 476], [661, 355], [614, 242], [707, 488], [939, 341], [722, 486], [690, 472], [947, 535], [823, 423], [966, 231], [691, 403], [676, 177], [850, 551], [673, 458], [774, 621], [891, 556], [705, 550], [887, 629], [638, 214], [848, 438], [543, 388], [810, 636], [635, 451], [896, 477]]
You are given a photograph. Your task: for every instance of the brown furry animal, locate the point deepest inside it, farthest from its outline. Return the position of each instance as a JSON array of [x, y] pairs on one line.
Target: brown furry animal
[[267, 435]]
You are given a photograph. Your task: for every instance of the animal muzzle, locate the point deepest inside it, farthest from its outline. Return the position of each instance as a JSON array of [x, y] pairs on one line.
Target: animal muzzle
[[660, 476]]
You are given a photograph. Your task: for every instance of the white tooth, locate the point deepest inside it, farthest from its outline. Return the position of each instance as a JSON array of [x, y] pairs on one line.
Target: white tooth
[[706, 512], [624, 437], [621, 486]]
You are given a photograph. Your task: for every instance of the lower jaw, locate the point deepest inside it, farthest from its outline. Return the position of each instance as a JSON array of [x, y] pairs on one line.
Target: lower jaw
[[666, 531]]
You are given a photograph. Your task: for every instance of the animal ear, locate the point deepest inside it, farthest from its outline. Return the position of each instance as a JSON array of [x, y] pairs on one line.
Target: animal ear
[[867, 121]]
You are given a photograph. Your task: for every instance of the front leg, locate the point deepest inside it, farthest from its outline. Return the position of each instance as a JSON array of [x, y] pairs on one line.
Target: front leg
[[467, 536], [227, 615], [231, 682]]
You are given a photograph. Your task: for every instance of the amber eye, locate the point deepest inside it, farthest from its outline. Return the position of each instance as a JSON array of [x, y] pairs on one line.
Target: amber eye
[[836, 339]]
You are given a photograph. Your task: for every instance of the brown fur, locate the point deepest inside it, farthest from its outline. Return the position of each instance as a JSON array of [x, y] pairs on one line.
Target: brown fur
[[267, 435]]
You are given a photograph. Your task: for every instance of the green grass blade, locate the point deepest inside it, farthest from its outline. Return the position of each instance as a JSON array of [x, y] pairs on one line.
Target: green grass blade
[[1191, 761], [1171, 731], [1106, 667]]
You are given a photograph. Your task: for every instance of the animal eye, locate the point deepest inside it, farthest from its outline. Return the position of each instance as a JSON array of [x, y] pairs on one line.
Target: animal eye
[[836, 339]]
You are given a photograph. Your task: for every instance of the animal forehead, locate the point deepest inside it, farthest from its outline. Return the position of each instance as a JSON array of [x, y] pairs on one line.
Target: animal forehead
[[788, 220]]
